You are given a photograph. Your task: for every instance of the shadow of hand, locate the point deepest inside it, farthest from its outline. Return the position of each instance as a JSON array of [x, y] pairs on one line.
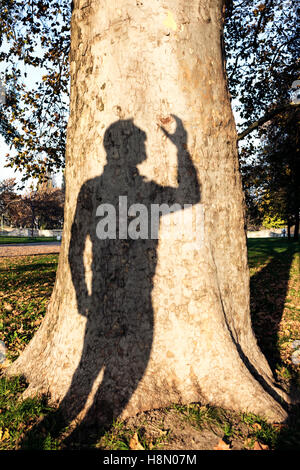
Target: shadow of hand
[[180, 134]]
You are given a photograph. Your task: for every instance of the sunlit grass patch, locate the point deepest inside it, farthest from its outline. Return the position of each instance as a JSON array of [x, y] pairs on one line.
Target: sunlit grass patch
[[25, 289]]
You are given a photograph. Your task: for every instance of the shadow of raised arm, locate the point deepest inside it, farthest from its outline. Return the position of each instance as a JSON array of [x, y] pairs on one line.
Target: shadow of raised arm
[[188, 191]]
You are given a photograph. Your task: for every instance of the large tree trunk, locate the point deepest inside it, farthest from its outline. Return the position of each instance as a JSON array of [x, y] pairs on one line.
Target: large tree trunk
[[138, 324]]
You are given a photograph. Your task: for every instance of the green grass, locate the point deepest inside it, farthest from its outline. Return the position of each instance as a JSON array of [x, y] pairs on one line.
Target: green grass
[[120, 435], [243, 428], [18, 416], [261, 249], [230, 425], [26, 286], [275, 300], [25, 289], [13, 240], [202, 416]]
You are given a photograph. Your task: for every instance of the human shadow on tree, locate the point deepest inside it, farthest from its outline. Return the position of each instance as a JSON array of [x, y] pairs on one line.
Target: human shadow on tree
[[118, 307]]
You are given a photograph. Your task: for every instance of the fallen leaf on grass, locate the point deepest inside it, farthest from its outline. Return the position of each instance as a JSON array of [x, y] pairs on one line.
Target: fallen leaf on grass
[[134, 443], [7, 307], [4, 364], [260, 446], [248, 443], [222, 445], [256, 426], [4, 435]]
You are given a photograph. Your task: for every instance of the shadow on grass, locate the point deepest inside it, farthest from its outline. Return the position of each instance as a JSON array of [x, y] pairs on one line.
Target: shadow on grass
[[30, 267], [24, 276], [269, 289]]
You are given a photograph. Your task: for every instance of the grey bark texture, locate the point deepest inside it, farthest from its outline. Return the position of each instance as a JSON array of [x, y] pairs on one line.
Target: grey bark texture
[[138, 324]]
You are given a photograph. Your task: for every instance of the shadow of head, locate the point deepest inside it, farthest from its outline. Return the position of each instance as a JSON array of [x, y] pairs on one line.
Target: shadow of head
[[124, 143]]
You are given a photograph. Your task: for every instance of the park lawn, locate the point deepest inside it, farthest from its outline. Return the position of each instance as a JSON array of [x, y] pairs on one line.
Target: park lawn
[[275, 300], [26, 283], [12, 240], [25, 289]]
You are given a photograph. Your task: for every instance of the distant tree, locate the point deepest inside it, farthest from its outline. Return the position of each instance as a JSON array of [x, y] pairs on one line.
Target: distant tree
[[37, 209], [7, 191], [8, 199], [45, 208], [49, 204], [18, 213], [280, 162]]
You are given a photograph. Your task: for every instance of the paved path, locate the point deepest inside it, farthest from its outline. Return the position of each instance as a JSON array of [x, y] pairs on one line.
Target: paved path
[[27, 249]]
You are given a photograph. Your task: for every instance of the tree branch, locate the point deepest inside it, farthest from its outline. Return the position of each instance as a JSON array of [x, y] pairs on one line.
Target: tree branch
[[267, 117]]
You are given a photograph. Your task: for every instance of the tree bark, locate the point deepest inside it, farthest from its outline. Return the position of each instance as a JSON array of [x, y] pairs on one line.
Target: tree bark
[[136, 324]]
